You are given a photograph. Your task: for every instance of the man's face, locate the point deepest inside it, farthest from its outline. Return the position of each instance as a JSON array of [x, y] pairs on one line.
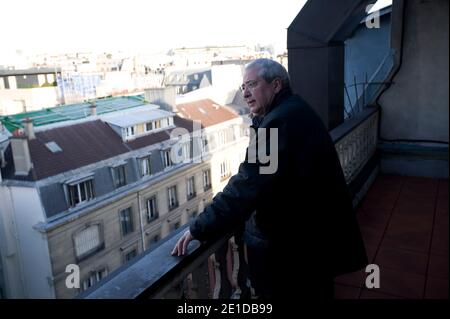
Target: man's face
[[258, 94]]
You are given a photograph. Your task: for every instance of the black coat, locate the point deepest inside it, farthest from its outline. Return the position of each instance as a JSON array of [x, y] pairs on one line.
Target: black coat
[[303, 209]]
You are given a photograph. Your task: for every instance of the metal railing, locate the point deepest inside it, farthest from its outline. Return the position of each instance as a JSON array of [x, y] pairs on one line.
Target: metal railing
[[356, 141]]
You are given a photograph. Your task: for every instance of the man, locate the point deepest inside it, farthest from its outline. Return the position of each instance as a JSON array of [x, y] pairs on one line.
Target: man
[[302, 209]]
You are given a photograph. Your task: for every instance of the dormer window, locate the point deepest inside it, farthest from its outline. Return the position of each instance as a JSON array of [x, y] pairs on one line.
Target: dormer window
[[145, 165], [80, 191], [119, 175], [130, 131], [167, 161], [142, 121]]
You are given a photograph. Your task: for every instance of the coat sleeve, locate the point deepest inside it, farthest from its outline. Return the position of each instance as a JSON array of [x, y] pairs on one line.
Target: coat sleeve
[[237, 201]]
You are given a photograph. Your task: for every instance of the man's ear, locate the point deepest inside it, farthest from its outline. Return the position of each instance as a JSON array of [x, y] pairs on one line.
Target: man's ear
[[277, 85]]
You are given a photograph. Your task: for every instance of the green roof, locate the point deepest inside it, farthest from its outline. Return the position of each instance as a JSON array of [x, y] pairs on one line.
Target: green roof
[[71, 111]]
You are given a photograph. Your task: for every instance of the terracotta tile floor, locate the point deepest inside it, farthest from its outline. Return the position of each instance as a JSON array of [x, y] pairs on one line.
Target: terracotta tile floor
[[404, 223]]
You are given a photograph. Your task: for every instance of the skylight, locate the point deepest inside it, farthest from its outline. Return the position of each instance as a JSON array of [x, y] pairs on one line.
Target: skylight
[[53, 147]]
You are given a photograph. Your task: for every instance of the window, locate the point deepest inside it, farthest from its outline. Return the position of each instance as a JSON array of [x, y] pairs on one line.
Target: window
[[222, 138], [119, 176], [193, 215], [224, 170], [175, 226], [206, 179], [157, 124], [182, 152], [80, 192], [151, 209], [212, 142], [186, 152], [130, 255], [145, 164], [204, 144], [126, 221], [94, 277], [230, 135], [167, 161], [153, 240], [149, 126], [190, 188], [129, 131], [87, 241], [172, 195]]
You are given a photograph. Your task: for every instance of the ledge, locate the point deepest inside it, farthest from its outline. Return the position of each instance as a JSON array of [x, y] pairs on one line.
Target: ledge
[[134, 280]]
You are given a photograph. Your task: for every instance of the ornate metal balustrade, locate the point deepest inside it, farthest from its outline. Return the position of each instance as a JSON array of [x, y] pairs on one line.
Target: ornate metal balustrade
[[356, 142]]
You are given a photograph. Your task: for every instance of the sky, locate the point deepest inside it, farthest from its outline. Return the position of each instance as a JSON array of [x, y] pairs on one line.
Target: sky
[[62, 25], [49, 26]]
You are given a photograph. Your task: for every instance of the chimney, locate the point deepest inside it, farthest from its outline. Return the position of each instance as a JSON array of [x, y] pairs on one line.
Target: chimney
[[93, 108], [164, 97], [29, 128], [21, 153]]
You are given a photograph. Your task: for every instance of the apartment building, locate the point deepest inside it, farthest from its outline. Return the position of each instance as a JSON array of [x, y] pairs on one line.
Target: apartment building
[[98, 191], [28, 90]]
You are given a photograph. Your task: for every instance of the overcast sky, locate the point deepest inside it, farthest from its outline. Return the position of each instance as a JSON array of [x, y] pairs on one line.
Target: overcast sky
[[144, 25]]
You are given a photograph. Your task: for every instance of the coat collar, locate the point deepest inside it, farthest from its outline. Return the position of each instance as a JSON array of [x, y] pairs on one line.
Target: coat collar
[[279, 98]]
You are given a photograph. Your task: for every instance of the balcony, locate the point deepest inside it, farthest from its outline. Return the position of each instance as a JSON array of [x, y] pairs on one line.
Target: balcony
[[404, 222], [403, 219]]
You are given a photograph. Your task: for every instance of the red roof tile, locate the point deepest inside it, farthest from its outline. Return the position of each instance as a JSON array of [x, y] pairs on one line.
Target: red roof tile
[[206, 111]]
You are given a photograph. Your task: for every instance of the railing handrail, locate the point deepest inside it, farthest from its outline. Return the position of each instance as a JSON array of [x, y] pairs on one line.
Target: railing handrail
[[342, 130], [155, 271]]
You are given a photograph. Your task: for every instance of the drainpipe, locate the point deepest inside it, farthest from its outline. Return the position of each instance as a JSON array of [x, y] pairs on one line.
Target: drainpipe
[[141, 222]]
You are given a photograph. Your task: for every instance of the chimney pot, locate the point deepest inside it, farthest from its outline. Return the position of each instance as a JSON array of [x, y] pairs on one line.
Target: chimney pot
[[21, 153], [93, 108], [29, 128]]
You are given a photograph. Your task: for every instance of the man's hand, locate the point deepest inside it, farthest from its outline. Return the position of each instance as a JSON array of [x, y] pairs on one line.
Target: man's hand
[[181, 245]]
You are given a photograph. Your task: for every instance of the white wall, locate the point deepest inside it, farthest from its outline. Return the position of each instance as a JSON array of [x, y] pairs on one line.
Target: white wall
[[34, 99], [231, 152], [225, 82], [9, 252], [32, 248]]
